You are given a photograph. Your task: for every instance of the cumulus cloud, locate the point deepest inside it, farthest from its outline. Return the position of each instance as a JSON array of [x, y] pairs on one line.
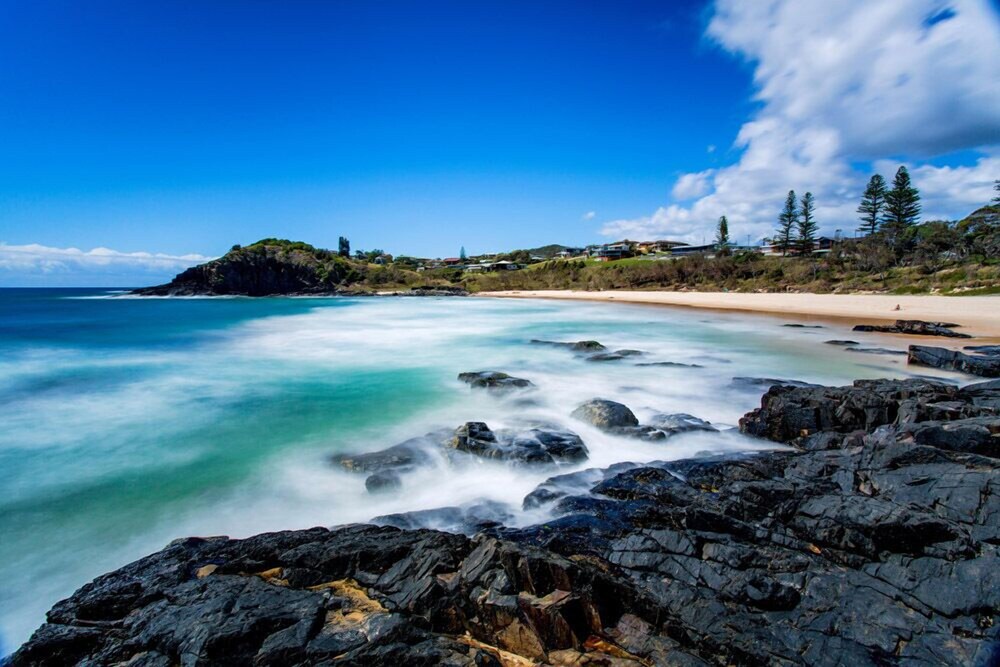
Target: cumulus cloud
[[842, 84], [35, 264]]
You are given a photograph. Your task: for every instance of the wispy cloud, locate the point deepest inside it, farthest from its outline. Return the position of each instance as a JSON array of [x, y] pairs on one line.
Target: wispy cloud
[[35, 264], [589, 215], [840, 85]]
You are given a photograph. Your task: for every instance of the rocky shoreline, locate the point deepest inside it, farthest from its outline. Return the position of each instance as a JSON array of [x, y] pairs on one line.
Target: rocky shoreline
[[868, 536]]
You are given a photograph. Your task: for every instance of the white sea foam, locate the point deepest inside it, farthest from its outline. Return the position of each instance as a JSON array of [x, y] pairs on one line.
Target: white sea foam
[[110, 454]]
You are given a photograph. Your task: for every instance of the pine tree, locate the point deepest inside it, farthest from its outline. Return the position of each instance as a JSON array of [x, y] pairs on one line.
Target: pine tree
[[872, 205], [461, 254], [344, 247], [996, 187], [902, 204], [806, 240], [786, 222], [722, 236]]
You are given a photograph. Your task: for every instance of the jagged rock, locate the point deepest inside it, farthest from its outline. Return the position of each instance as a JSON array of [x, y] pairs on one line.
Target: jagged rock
[[605, 415], [842, 342], [953, 360], [468, 519], [757, 383], [916, 328], [987, 350], [669, 364], [803, 326], [494, 380], [384, 480], [617, 355], [531, 446], [880, 549], [679, 423], [405, 455], [876, 350], [579, 346]]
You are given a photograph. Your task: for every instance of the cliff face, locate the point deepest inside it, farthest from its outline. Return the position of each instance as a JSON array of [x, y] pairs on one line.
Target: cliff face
[[262, 269]]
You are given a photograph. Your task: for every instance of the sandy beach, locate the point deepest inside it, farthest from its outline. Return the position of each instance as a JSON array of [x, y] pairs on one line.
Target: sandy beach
[[979, 316]]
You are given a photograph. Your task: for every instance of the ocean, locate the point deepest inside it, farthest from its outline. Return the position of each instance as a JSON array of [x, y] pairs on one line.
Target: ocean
[[128, 422]]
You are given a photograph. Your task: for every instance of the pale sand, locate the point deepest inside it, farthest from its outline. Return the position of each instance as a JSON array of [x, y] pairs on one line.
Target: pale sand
[[978, 316]]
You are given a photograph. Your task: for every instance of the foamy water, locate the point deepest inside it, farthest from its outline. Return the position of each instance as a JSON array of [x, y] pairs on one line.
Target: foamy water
[[130, 422]]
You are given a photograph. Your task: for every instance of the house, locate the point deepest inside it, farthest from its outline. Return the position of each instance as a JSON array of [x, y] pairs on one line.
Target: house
[[683, 250], [504, 265], [611, 251], [566, 253], [451, 261], [646, 247]]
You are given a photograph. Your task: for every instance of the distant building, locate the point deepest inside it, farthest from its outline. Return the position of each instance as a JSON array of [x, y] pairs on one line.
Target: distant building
[[451, 261], [566, 253], [611, 251], [657, 246], [681, 251]]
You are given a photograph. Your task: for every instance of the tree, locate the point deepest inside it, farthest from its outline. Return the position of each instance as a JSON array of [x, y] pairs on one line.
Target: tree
[[786, 221], [902, 205], [872, 205], [722, 236], [461, 254], [344, 249], [996, 187], [806, 240]]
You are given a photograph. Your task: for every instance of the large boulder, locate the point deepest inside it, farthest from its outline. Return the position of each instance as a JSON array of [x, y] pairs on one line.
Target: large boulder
[[985, 365], [605, 415], [528, 446], [494, 380], [916, 328]]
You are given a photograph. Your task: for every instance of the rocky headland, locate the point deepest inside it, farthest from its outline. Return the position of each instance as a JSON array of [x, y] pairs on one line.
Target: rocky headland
[[867, 536]]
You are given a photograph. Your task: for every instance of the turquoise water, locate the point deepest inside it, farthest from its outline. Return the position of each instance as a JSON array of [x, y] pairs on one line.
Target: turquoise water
[[128, 422]]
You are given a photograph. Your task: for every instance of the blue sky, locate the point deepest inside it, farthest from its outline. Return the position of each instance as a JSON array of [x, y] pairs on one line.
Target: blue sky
[[180, 128]]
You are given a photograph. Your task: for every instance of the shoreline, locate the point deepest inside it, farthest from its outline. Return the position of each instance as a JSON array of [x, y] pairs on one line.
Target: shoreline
[[978, 316]]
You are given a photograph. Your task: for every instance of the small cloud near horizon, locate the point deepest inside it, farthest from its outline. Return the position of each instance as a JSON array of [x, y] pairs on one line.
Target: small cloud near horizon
[[36, 265]]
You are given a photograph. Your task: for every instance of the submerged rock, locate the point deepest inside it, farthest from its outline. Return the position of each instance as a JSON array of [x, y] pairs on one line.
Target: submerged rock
[[680, 423], [804, 326], [876, 350], [841, 342], [494, 380], [669, 364], [382, 481], [617, 355], [916, 328], [578, 346], [404, 455], [953, 360], [531, 446], [757, 383]]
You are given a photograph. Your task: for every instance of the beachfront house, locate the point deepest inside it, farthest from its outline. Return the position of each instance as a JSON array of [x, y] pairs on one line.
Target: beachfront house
[[647, 247], [681, 251], [611, 251]]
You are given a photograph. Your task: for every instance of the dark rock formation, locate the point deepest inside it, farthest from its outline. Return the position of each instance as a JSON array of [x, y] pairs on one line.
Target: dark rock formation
[[384, 480], [916, 328], [874, 544], [988, 350], [494, 380], [535, 446], [605, 415], [985, 365], [842, 342], [404, 455], [752, 383], [617, 355], [430, 290], [669, 364], [803, 326], [679, 422], [579, 346], [876, 350]]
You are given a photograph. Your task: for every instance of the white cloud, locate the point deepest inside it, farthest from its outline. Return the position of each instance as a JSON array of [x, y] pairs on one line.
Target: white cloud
[[693, 185], [39, 264], [844, 83], [589, 215]]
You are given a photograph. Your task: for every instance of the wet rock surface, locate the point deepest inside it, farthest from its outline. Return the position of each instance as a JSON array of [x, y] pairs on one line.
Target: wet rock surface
[[494, 380], [876, 350], [916, 328], [983, 363], [529, 446], [871, 540]]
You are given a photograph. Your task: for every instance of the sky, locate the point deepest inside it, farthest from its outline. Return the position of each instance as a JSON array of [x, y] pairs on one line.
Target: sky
[[138, 138]]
